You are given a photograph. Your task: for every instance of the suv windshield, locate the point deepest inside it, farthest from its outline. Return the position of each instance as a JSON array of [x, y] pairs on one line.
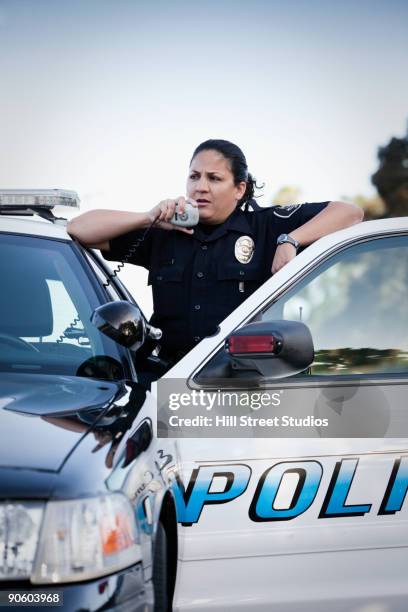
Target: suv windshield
[[47, 299]]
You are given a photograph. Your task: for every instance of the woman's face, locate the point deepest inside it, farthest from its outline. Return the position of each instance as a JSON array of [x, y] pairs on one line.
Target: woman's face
[[211, 184]]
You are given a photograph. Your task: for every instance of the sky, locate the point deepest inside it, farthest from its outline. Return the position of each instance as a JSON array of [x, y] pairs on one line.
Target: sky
[[110, 98]]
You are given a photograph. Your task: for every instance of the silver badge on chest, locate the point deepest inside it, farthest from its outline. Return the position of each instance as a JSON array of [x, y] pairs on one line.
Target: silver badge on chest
[[244, 249]]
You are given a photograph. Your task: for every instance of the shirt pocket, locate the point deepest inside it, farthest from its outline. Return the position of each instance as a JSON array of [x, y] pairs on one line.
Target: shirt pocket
[[166, 273], [167, 287], [236, 282], [239, 272]]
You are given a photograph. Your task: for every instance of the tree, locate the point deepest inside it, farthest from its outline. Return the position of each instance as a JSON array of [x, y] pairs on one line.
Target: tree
[[391, 179], [289, 194]]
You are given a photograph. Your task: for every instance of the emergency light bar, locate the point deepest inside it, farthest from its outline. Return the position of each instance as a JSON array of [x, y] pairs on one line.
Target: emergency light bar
[[20, 199]]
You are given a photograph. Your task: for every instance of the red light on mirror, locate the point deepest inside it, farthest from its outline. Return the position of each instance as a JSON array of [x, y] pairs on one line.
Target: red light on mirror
[[251, 344]]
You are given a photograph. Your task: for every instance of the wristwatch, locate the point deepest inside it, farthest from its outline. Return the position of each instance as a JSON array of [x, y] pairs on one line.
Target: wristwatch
[[286, 238]]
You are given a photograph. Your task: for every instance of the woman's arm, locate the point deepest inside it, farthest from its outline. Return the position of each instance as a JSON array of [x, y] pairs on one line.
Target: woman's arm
[[336, 215], [95, 228]]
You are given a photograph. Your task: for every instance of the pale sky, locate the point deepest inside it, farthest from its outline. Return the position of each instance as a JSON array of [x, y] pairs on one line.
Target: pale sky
[[109, 98]]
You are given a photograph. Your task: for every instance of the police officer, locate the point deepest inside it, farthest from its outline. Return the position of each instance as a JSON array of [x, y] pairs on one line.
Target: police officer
[[200, 275]]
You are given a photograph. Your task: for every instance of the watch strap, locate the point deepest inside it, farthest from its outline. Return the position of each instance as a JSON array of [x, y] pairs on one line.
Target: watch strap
[[283, 238]]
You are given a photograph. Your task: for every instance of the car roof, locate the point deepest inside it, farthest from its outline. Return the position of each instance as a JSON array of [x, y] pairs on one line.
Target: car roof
[[34, 226]]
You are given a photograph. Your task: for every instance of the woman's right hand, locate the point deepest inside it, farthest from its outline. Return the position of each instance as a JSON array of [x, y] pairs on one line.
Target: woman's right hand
[[163, 212]]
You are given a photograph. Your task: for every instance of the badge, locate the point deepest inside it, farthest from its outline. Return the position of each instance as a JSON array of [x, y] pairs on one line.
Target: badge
[[244, 249]]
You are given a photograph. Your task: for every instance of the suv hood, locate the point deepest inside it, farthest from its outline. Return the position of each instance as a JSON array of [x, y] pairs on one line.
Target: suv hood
[[43, 417]]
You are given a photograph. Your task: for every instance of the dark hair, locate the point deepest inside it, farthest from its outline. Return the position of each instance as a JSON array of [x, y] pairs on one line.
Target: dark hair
[[239, 168]]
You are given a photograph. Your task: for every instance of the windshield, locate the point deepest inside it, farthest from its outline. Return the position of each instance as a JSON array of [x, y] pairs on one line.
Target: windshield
[[46, 302]]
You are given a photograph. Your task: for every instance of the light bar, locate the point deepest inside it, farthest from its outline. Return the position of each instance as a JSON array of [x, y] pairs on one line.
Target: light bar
[[40, 198]]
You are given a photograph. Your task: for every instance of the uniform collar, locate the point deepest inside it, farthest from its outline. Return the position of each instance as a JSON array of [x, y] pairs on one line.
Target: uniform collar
[[236, 222]]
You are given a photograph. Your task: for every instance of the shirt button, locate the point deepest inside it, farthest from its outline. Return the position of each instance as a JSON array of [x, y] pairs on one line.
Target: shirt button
[[204, 247], [159, 278], [200, 275], [241, 273], [197, 338], [197, 307]]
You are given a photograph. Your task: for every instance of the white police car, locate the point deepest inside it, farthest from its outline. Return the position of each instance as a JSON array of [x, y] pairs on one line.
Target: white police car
[[281, 441], [293, 443]]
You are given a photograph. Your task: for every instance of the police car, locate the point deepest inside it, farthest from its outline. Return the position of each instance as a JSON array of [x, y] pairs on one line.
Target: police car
[[291, 428], [278, 445], [87, 516]]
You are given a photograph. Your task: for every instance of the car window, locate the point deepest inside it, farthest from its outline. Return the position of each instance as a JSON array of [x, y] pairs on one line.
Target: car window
[[47, 299], [104, 281], [63, 310], [355, 305]]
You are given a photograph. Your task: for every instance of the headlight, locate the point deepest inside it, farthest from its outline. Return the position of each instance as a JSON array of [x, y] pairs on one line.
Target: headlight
[[79, 539], [19, 529], [86, 538]]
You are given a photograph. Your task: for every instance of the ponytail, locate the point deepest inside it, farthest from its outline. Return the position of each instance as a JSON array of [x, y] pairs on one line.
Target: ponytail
[[248, 199]]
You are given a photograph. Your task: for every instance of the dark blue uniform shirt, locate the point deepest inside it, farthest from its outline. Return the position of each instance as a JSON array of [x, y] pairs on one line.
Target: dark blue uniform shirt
[[197, 280]]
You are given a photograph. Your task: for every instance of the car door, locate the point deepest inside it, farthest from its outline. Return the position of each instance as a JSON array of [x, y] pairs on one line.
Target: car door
[[323, 511]]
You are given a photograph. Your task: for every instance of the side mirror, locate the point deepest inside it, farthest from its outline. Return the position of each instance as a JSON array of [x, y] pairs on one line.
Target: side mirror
[[122, 322], [274, 349], [270, 349]]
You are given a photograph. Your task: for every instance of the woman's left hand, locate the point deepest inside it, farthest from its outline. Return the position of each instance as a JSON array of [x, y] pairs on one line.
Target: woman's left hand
[[284, 254]]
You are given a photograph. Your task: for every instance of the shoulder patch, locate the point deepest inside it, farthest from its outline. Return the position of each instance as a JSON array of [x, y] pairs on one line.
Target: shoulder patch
[[286, 211]]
